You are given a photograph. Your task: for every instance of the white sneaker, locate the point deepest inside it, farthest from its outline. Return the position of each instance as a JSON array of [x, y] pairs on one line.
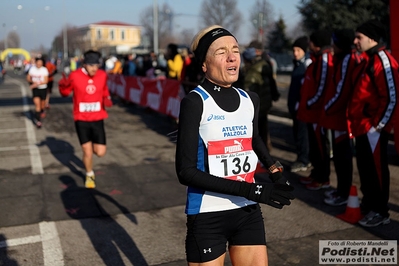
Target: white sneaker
[[330, 193], [336, 201], [373, 219]]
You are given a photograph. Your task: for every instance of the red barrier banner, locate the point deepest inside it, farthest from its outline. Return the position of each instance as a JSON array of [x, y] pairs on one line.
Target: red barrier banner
[[161, 95]]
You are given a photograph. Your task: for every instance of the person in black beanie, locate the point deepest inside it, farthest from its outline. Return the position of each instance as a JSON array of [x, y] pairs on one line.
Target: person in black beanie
[[373, 29], [371, 112], [300, 131], [311, 108], [336, 100]]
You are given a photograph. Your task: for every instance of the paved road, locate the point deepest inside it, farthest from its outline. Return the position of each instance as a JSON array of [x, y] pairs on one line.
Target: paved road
[[135, 216]]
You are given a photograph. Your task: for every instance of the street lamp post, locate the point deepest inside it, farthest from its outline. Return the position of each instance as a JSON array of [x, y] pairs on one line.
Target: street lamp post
[[5, 36], [155, 15], [65, 35], [260, 25], [5, 43]]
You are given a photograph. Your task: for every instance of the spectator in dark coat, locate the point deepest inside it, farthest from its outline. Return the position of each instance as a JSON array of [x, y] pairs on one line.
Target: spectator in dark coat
[[300, 131]]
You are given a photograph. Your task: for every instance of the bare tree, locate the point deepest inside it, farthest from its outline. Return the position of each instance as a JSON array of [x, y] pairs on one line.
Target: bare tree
[[261, 17], [75, 41], [187, 36], [296, 31], [13, 40], [165, 24], [221, 12]]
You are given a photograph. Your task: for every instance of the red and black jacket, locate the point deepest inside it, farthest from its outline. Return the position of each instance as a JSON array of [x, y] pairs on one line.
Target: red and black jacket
[[317, 76], [339, 91], [375, 93]]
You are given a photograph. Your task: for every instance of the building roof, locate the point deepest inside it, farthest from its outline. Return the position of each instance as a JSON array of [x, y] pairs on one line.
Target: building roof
[[113, 23]]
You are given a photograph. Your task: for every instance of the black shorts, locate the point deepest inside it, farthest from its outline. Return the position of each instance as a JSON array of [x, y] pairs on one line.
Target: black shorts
[[90, 131], [41, 93], [50, 86], [208, 233]]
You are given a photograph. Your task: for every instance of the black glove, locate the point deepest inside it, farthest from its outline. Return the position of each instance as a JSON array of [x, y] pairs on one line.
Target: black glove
[[278, 178], [275, 195]]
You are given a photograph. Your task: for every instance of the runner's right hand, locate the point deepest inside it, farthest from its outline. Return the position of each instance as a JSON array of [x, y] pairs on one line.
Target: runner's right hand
[[64, 82]]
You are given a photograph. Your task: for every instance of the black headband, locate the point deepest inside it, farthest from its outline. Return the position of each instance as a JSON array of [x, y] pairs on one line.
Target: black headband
[[207, 40]]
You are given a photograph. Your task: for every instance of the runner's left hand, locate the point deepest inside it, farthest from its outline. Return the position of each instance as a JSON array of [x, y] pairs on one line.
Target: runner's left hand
[[279, 178]]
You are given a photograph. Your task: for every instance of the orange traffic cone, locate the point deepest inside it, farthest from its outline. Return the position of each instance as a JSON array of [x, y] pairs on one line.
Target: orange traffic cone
[[352, 214], [260, 169]]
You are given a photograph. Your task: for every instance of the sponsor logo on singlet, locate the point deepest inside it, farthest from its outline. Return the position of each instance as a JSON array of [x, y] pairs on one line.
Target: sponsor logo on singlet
[[234, 148], [215, 117], [234, 131]]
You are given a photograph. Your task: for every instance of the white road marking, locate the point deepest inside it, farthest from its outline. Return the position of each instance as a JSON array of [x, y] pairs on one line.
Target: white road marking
[[51, 244], [12, 130], [9, 118], [14, 148], [20, 241], [35, 158], [52, 250]]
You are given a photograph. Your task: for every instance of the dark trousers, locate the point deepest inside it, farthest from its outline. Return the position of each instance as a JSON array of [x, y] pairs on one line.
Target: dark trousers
[[319, 153], [343, 161], [301, 138], [372, 164]]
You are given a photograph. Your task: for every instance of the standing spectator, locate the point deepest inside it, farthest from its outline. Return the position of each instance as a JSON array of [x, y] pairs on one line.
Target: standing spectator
[[117, 66], [38, 78], [148, 68], [90, 97], [110, 64], [52, 70], [216, 156], [174, 61], [300, 130], [193, 75], [311, 107], [2, 72], [73, 64], [129, 67], [273, 63], [336, 103], [258, 78], [370, 114], [186, 56]]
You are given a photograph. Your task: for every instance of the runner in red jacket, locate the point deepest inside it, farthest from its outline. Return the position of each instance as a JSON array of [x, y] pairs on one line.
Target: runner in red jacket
[[90, 97], [371, 115]]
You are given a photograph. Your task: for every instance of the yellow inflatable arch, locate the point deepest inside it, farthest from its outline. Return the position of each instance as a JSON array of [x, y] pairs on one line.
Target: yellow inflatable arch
[[15, 51]]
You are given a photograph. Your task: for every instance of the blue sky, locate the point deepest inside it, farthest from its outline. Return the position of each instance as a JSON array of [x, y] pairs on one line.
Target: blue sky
[[38, 21]]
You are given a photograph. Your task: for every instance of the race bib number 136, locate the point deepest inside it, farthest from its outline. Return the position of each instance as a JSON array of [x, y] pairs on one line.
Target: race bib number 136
[[232, 159]]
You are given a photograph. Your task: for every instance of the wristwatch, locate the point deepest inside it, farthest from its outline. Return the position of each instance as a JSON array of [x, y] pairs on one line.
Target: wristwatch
[[277, 165]]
